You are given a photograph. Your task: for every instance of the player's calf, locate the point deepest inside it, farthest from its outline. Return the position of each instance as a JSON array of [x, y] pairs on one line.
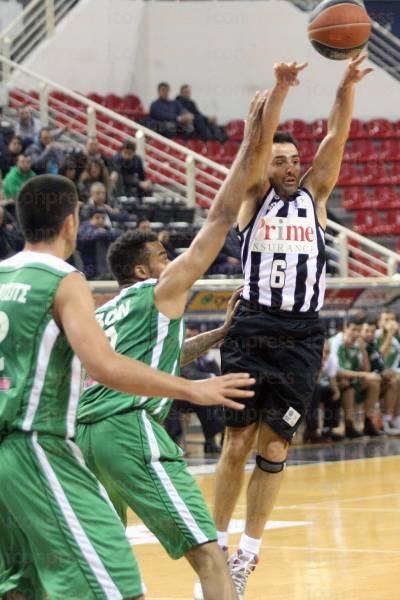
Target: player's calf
[[209, 562]]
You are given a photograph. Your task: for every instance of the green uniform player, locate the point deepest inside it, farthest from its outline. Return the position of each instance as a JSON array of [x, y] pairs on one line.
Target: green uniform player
[[59, 533], [121, 436]]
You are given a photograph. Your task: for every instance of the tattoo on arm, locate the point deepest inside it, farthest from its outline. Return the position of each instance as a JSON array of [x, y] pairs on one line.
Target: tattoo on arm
[[196, 346]]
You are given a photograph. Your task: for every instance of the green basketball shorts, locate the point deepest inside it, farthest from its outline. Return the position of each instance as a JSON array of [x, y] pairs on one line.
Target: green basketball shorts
[[61, 521], [141, 467]]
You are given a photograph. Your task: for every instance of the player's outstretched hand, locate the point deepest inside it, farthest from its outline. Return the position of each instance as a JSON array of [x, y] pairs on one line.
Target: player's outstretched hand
[[220, 390], [353, 74], [233, 305], [287, 73]]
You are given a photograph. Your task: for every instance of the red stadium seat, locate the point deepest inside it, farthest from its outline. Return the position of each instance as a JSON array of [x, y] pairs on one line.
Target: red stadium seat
[[319, 129], [132, 106], [234, 129], [389, 149], [396, 129], [297, 128], [374, 173], [394, 173], [214, 150], [96, 97], [357, 129], [392, 222], [367, 222], [379, 128], [356, 198], [349, 175], [361, 150], [230, 149], [197, 146], [308, 150], [113, 102], [385, 197]]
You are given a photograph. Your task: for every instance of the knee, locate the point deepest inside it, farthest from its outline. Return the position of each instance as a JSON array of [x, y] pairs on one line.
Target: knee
[[237, 446], [275, 450]]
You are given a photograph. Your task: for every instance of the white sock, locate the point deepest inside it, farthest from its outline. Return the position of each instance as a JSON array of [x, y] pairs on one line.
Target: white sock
[[222, 538], [249, 544]]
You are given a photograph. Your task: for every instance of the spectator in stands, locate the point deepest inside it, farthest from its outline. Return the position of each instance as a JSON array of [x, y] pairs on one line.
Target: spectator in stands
[[389, 348], [355, 379], [94, 172], [170, 116], [94, 239], [8, 157], [128, 173], [228, 261], [92, 150], [143, 224], [28, 127], [47, 157], [327, 394], [98, 199], [11, 240], [68, 169], [17, 176], [205, 127], [164, 238]]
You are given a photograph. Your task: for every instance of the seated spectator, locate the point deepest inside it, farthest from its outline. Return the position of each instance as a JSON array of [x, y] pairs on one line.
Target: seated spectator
[[11, 239], [94, 238], [355, 379], [143, 225], [92, 150], [94, 172], [17, 176], [28, 127], [98, 199], [389, 351], [164, 238], [170, 116], [68, 169], [8, 157], [205, 127], [47, 157], [128, 174], [327, 393], [228, 261]]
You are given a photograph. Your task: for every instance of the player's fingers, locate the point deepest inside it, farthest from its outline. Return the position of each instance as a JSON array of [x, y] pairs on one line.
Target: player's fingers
[[359, 59], [301, 66], [230, 403], [237, 393], [240, 382], [366, 72], [229, 377]]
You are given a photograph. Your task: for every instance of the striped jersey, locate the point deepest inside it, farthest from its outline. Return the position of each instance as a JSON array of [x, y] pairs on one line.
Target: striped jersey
[[283, 254], [40, 376], [136, 329]]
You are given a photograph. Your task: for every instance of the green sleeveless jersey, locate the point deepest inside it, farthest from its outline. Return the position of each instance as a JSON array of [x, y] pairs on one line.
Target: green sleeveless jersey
[[136, 329], [39, 374]]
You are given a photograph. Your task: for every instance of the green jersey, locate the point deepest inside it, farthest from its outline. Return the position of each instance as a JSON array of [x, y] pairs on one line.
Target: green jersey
[[136, 329], [349, 358], [39, 374], [393, 358]]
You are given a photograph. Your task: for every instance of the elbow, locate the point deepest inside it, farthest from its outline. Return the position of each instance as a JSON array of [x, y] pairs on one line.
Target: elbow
[[100, 370]]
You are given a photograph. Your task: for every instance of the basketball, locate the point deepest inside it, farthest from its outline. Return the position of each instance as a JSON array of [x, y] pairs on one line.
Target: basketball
[[339, 29]]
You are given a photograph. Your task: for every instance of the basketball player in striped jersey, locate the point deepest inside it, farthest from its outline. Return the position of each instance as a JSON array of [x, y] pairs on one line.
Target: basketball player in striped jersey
[[276, 334]]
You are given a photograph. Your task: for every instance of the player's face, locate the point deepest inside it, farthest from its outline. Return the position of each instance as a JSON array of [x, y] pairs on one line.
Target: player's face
[[352, 333], [368, 332], [284, 169], [157, 259], [386, 319]]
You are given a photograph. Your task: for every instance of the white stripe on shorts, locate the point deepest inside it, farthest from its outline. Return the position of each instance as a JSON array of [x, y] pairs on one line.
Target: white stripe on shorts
[[92, 558], [169, 487]]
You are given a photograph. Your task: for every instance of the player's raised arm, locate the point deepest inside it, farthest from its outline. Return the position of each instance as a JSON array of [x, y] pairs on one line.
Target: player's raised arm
[[74, 312], [324, 172], [245, 177]]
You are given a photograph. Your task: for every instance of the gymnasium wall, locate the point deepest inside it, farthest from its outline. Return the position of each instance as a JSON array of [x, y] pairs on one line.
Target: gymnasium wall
[[224, 49]]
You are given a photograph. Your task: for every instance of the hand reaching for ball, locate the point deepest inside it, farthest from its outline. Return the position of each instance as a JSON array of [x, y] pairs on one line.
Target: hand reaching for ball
[[353, 74], [287, 73]]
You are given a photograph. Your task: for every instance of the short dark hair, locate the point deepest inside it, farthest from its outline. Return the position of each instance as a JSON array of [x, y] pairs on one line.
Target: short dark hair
[[162, 84], [128, 251], [128, 146], [284, 137], [43, 204], [355, 320], [371, 319]]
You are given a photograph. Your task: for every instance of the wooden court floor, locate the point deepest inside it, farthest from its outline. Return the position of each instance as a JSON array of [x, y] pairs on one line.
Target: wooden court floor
[[340, 539]]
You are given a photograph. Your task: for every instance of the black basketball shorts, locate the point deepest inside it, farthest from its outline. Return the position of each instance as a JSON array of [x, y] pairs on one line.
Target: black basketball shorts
[[283, 351]]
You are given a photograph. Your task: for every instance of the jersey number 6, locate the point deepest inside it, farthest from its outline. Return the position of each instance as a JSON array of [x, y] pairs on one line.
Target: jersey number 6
[[278, 275]]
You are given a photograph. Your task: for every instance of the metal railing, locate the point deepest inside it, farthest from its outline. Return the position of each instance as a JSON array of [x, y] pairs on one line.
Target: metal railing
[[384, 50], [34, 24], [174, 168]]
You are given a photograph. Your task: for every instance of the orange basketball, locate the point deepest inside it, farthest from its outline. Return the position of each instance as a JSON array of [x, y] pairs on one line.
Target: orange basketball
[[339, 29]]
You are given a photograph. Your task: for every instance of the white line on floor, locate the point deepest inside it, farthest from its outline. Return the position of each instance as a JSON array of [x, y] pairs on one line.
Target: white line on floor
[[333, 550]]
